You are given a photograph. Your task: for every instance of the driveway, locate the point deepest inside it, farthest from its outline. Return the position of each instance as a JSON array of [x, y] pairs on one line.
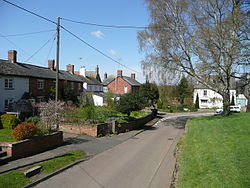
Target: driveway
[[143, 161]]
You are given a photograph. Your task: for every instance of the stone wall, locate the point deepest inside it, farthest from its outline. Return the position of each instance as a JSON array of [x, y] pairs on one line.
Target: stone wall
[[32, 146]]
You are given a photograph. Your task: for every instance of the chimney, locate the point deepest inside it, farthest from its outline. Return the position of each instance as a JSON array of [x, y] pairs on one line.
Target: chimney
[[97, 69], [119, 73], [133, 76], [105, 76], [12, 56], [51, 64], [70, 68], [83, 71]]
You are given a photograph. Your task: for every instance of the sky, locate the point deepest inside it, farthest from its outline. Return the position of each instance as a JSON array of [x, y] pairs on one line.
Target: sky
[[120, 44]]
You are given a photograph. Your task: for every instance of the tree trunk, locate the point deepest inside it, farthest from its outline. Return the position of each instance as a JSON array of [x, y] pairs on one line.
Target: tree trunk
[[226, 103], [248, 104]]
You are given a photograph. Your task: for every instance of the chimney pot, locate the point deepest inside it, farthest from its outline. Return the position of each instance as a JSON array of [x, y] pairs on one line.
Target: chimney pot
[[70, 68], [51, 64], [119, 73], [12, 56], [97, 69], [105, 76], [133, 76]]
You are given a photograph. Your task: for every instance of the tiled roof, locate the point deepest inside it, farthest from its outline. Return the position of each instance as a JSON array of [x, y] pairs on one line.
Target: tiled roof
[[131, 81], [28, 70]]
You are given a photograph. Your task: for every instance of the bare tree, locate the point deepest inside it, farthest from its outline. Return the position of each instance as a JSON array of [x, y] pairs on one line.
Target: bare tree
[[206, 39]]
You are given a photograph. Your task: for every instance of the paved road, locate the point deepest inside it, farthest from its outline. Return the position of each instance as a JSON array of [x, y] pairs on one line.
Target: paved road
[[144, 161]]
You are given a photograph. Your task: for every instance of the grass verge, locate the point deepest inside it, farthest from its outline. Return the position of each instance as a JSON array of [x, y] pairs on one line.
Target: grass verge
[[16, 178], [5, 135], [216, 152]]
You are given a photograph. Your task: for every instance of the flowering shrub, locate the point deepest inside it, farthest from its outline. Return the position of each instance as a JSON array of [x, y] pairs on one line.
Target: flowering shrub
[[9, 121], [50, 114], [24, 130]]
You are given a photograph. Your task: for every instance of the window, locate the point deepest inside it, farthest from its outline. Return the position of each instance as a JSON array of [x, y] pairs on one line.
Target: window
[[125, 89], [8, 83], [205, 92], [40, 84], [72, 85], [8, 105], [40, 99], [204, 101], [105, 89]]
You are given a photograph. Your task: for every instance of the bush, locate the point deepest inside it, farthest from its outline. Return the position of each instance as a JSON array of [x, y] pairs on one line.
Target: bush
[[9, 121], [34, 119], [1, 125], [24, 130]]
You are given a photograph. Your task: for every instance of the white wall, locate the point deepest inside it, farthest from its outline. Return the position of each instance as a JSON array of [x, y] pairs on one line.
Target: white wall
[[212, 99], [20, 85], [98, 100]]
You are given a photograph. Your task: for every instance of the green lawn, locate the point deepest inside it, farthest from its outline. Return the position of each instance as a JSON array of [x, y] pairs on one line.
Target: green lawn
[[5, 135], [215, 152], [16, 178]]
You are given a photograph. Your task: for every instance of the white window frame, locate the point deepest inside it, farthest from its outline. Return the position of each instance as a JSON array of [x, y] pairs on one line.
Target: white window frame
[[205, 92], [125, 89], [40, 84], [8, 83]]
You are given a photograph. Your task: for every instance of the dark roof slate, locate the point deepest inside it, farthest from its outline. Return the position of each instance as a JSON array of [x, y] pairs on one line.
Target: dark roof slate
[[28, 70], [131, 81]]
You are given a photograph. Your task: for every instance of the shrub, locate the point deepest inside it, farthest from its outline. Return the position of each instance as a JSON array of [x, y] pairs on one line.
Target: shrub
[[24, 130], [9, 121], [1, 125], [34, 119]]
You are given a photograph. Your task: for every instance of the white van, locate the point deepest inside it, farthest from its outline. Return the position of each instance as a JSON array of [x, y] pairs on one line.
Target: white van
[[234, 108]]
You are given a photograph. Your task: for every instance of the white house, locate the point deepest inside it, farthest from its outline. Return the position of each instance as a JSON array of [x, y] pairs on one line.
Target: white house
[[12, 87], [211, 99], [241, 100]]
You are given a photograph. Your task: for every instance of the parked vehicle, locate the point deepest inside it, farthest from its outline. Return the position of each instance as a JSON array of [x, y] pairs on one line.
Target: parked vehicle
[[234, 109]]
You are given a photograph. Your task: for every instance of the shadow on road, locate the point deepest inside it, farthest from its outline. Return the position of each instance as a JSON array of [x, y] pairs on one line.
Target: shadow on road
[[75, 140], [178, 122]]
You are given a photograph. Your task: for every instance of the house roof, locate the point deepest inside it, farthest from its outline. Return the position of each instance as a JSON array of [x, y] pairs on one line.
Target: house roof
[[28, 70], [131, 81]]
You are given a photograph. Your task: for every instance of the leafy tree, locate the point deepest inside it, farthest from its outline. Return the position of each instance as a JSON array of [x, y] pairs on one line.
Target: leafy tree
[[130, 102], [183, 90], [197, 102], [149, 92], [108, 99], [206, 39]]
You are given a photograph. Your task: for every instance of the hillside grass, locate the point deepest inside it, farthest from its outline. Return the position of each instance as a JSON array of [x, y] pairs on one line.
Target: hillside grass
[[215, 152]]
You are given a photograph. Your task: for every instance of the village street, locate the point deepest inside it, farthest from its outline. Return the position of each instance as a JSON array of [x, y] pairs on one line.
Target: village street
[[145, 160]]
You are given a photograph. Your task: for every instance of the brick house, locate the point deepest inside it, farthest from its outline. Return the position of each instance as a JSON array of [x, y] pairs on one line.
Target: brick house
[[121, 84], [19, 79]]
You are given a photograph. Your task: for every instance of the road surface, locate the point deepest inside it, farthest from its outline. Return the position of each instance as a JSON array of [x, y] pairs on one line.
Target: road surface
[[144, 161]]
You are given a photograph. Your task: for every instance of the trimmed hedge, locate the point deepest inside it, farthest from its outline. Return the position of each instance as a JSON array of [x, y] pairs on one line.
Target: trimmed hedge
[[9, 121], [24, 130]]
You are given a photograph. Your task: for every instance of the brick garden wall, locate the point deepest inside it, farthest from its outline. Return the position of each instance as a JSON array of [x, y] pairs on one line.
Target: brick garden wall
[[105, 128], [32, 146]]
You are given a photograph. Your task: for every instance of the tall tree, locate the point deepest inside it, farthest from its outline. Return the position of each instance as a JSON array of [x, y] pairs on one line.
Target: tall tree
[[149, 92], [206, 39], [183, 90]]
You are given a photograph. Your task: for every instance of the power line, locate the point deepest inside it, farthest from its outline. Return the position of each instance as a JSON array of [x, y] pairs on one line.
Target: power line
[[99, 51], [31, 33], [35, 14], [109, 26], [41, 48]]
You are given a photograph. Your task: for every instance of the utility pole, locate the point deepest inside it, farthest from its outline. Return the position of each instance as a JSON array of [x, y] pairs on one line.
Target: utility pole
[[57, 56]]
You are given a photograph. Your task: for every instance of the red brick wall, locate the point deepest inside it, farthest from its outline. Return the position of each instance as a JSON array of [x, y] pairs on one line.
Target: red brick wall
[[32, 146], [117, 86], [90, 130], [48, 84]]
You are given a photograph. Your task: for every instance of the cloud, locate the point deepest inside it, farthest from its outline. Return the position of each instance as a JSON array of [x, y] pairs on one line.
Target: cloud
[[112, 52], [97, 34]]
